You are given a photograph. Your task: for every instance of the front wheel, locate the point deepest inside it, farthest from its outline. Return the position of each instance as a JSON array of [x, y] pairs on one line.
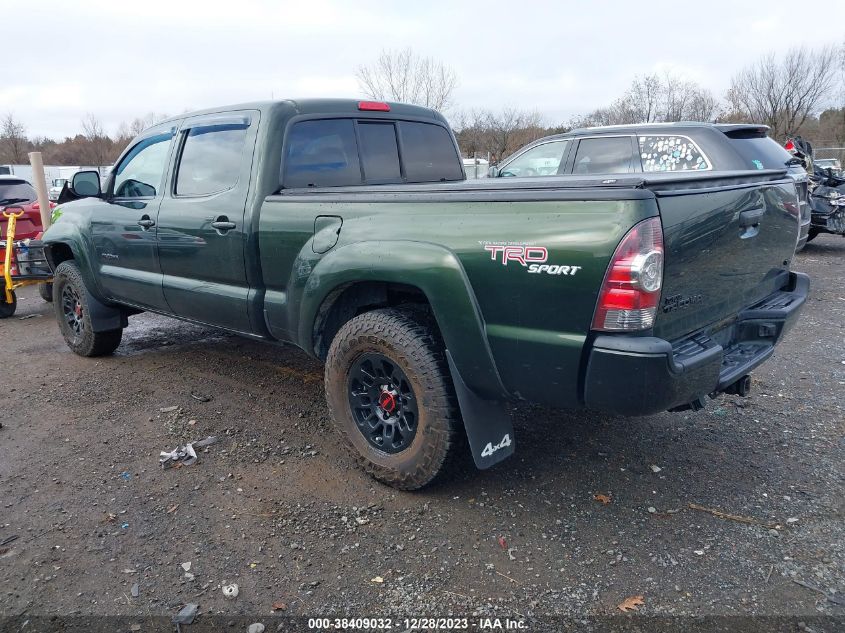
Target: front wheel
[[70, 301], [391, 397]]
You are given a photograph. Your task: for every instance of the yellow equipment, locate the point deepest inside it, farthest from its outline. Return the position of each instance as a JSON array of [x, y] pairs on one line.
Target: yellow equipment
[[20, 268]]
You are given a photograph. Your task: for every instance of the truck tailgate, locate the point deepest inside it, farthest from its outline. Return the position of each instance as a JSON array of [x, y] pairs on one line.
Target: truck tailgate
[[728, 242]]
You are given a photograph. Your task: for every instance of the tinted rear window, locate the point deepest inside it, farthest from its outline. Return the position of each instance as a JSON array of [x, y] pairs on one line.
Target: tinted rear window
[[760, 152], [16, 190], [379, 152], [333, 153], [429, 153], [322, 153]]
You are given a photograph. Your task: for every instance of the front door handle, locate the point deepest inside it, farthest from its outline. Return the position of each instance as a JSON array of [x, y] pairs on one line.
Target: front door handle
[[222, 224], [146, 223]]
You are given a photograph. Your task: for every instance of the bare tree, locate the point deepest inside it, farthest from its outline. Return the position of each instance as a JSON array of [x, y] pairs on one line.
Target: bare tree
[[784, 93], [99, 143], [498, 133], [13, 141], [407, 77], [652, 98]]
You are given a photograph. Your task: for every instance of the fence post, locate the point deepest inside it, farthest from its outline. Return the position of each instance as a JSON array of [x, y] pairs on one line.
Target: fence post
[[40, 184]]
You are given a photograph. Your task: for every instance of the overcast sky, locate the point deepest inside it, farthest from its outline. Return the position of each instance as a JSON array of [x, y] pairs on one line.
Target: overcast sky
[[122, 59]]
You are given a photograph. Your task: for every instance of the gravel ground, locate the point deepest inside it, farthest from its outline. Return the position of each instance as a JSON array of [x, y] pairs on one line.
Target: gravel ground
[[278, 507]]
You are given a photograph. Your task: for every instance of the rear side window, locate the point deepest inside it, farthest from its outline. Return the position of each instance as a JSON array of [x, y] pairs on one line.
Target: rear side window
[[211, 159], [611, 155], [760, 152], [671, 153], [379, 152], [429, 153], [322, 153]]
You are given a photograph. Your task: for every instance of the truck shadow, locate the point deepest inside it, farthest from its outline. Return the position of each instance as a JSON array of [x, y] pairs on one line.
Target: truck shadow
[[663, 461]]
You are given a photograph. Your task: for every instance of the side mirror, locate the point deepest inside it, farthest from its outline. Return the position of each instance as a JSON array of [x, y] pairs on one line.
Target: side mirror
[[86, 184], [493, 172]]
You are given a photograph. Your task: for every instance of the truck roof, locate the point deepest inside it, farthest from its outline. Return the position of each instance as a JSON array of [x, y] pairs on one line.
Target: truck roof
[[344, 107], [638, 128]]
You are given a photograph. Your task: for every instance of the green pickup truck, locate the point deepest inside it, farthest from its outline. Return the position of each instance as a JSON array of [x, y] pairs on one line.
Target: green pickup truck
[[348, 229]]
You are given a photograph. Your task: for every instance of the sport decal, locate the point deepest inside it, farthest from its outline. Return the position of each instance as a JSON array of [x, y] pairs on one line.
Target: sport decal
[[532, 257]]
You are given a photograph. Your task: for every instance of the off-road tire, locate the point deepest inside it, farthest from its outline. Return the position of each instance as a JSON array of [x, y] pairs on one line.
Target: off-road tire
[[86, 342], [406, 340], [7, 309], [46, 291]]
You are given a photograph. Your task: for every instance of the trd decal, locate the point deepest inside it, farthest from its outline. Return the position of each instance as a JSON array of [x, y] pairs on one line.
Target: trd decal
[[531, 257], [553, 269], [519, 254]]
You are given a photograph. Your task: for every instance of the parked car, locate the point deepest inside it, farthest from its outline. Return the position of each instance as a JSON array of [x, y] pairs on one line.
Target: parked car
[[15, 191], [830, 163], [659, 147], [348, 229], [56, 186]]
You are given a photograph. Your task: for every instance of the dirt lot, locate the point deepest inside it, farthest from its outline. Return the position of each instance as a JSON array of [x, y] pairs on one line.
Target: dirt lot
[[280, 509]]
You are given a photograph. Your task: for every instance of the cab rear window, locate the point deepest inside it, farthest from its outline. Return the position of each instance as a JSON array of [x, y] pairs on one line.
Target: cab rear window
[[322, 153], [343, 152], [428, 153]]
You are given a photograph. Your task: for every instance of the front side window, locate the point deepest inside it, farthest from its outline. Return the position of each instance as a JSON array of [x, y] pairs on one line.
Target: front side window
[[671, 153], [322, 153], [543, 160], [141, 171], [608, 155], [211, 159]]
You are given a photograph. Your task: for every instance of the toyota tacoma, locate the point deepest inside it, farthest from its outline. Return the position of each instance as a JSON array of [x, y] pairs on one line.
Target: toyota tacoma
[[348, 229]]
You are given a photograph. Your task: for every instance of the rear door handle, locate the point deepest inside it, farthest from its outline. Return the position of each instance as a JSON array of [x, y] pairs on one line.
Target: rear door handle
[[751, 217], [222, 224], [146, 223]]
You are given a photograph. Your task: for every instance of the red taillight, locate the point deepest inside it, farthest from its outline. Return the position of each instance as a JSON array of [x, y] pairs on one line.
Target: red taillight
[[790, 146], [631, 290], [373, 106]]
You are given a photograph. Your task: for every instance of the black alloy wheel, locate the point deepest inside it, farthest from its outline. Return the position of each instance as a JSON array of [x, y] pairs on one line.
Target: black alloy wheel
[[383, 403]]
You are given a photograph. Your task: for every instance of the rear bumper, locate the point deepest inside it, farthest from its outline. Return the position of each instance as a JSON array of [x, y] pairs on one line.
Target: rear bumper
[[634, 375]]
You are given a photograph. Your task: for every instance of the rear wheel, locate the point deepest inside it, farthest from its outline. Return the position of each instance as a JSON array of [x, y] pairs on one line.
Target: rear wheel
[[70, 302], [7, 309], [391, 397]]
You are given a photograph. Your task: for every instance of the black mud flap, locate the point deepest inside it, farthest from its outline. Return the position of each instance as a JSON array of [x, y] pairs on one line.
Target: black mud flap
[[488, 425], [104, 318]]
